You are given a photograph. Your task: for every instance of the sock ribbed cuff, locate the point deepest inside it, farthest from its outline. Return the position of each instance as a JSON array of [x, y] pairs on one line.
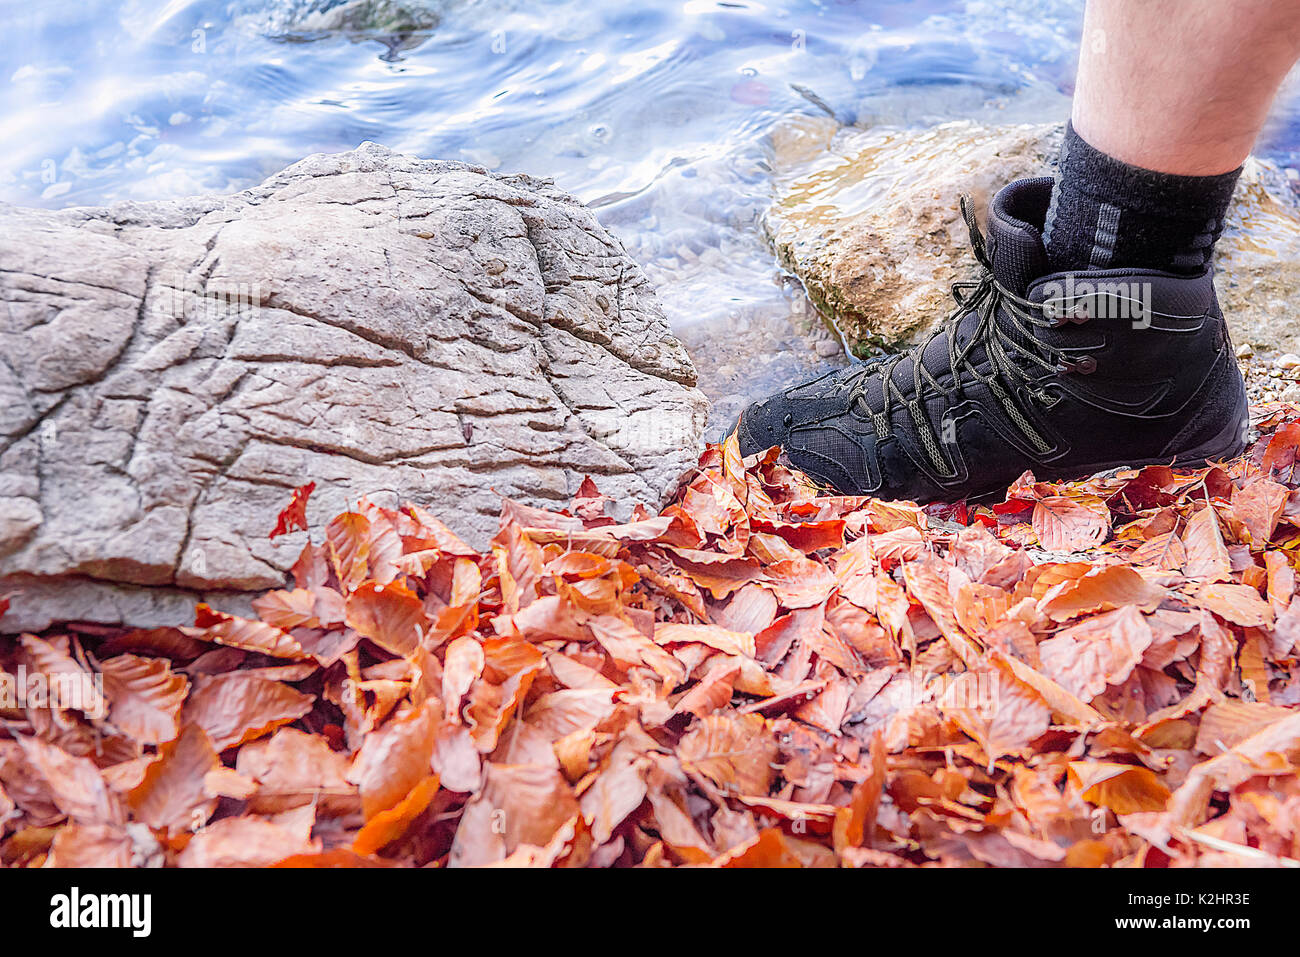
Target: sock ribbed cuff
[[1107, 213]]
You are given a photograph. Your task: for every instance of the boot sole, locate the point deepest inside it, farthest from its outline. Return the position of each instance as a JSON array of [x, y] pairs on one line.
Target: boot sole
[[1227, 444]]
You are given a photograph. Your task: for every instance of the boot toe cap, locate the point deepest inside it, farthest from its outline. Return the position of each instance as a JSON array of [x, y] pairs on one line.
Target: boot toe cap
[[760, 427]]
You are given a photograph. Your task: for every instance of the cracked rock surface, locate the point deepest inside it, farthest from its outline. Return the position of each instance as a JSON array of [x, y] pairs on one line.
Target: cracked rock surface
[[379, 324]]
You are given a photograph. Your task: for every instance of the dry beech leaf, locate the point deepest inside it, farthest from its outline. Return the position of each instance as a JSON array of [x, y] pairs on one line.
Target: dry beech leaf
[[245, 842], [1207, 555], [173, 793], [395, 758], [391, 615], [1066, 524], [617, 791], [1239, 604], [1114, 586], [713, 691], [996, 709], [390, 824], [246, 634], [68, 682], [92, 845], [287, 609], [234, 708], [1226, 724], [728, 642], [763, 675], [734, 753], [461, 667], [294, 515], [144, 696], [1122, 788], [292, 768], [1100, 651], [74, 784], [751, 609], [799, 582], [768, 849], [518, 804], [1259, 506]]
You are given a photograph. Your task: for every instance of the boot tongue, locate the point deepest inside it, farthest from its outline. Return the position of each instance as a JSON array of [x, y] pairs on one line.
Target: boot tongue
[[1014, 243], [1015, 233]]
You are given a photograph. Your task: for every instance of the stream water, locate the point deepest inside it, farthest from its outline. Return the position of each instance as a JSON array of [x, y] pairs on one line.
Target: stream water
[[658, 114]]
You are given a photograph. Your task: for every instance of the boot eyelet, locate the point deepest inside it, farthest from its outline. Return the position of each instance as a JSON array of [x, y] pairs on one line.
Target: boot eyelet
[[787, 420], [1084, 365], [1062, 317]]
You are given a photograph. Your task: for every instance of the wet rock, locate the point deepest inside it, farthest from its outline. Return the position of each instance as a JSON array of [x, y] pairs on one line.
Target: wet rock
[[355, 17], [399, 25], [378, 16], [382, 325], [871, 226]]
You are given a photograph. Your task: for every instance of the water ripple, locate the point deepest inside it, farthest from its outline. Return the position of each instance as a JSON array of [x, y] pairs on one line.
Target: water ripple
[[661, 114]]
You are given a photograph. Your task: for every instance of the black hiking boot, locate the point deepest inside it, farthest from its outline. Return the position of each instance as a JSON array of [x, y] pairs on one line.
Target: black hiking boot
[[1064, 374]]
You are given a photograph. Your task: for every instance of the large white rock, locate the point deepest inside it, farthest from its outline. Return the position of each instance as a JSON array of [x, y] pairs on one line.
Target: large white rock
[[380, 324]]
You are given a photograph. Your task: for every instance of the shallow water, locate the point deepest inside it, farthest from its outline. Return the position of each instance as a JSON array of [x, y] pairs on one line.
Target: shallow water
[[658, 114]]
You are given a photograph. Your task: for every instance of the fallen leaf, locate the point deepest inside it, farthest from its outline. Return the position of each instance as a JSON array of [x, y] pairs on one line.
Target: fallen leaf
[[172, 795], [145, 697], [235, 707], [1122, 788], [294, 515]]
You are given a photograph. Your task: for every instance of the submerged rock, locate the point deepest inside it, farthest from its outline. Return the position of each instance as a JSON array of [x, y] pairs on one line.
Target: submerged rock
[[397, 24], [869, 222], [380, 324], [374, 17]]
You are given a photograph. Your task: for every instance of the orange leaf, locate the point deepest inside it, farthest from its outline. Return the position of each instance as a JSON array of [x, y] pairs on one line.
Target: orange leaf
[[1123, 788], [1065, 524], [799, 582], [768, 849], [144, 696], [244, 633], [1101, 589], [387, 826], [236, 707], [1207, 556], [728, 642], [1099, 651], [287, 609], [392, 616], [347, 540], [394, 759], [1239, 604], [713, 691], [172, 795], [735, 753]]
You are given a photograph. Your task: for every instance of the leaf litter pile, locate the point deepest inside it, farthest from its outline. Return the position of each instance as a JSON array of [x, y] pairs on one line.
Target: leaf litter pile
[[1093, 673]]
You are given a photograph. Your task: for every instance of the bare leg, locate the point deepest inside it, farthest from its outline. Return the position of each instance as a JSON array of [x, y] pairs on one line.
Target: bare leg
[[1182, 86]]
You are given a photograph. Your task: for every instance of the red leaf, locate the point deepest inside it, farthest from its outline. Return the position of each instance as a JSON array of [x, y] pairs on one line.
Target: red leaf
[[294, 515]]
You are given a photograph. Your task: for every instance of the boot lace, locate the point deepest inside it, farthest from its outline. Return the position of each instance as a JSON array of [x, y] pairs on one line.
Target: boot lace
[[1008, 346]]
